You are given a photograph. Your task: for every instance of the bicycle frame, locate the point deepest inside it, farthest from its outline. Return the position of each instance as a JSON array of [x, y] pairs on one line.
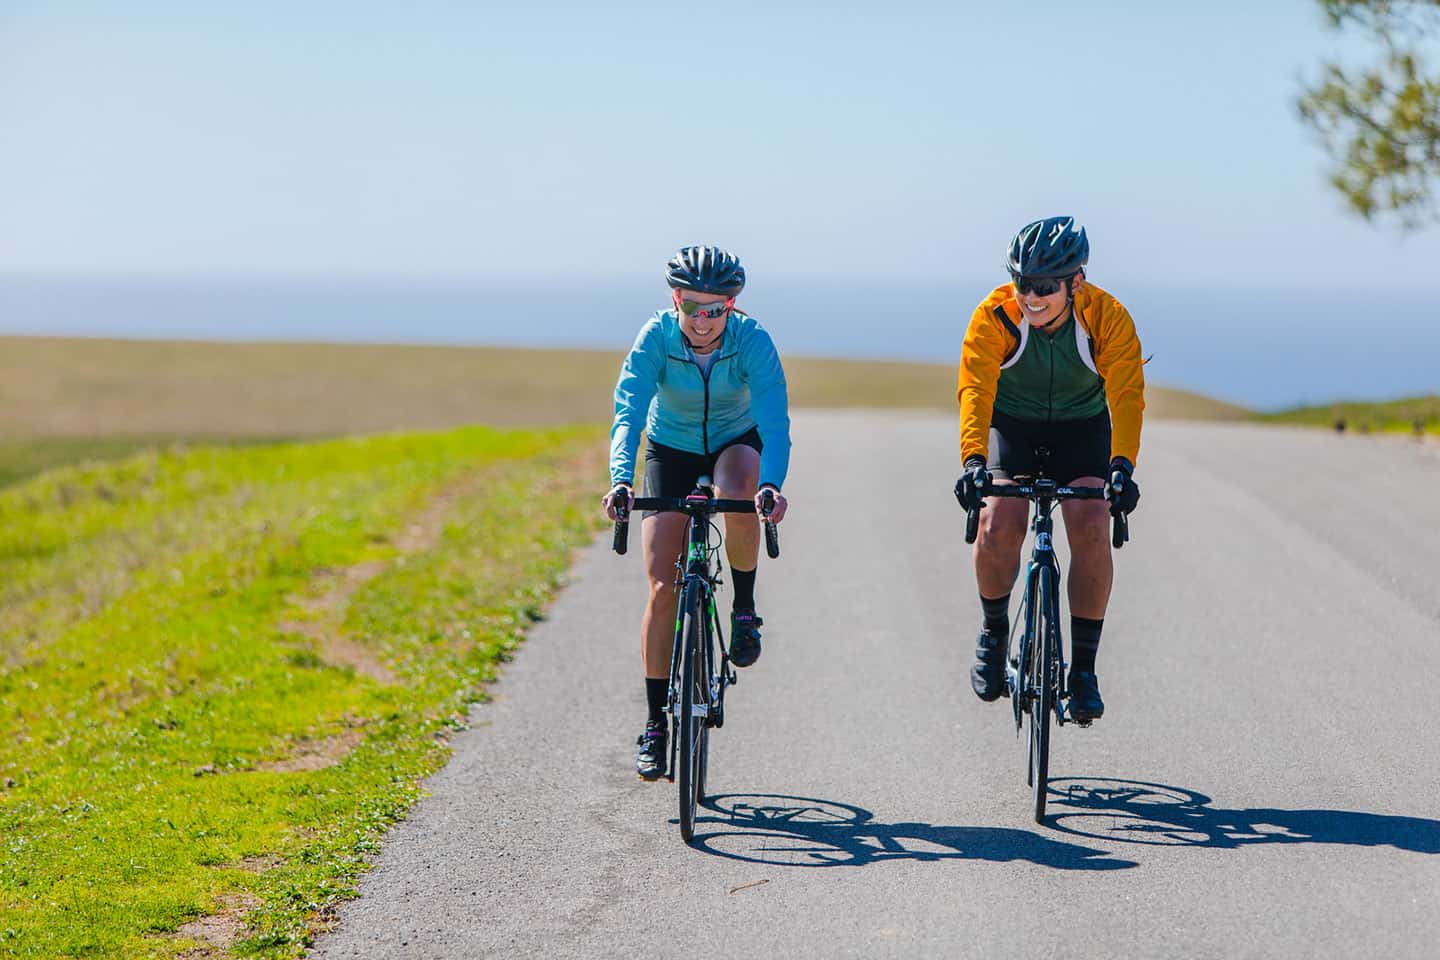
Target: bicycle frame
[[1041, 557], [694, 574]]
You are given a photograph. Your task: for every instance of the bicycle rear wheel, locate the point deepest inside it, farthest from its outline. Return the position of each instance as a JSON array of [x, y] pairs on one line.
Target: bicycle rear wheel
[[1042, 683], [694, 700]]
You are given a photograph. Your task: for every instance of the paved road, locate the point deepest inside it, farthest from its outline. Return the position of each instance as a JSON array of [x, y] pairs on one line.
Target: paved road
[[1264, 782]]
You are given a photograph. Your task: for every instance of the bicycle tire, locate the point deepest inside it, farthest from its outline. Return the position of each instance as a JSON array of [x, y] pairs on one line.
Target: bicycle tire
[[691, 727], [704, 677], [1042, 675], [1024, 692], [715, 664]]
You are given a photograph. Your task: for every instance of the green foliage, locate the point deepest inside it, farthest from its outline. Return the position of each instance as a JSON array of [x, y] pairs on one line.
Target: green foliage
[[1409, 415], [1381, 123], [157, 691]]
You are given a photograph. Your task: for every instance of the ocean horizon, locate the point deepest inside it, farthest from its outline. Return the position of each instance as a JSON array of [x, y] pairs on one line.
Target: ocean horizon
[[1263, 350]]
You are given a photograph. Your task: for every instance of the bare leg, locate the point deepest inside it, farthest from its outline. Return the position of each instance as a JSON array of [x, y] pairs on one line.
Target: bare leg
[[998, 543], [1092, 568], [737, 475], [663, 537]]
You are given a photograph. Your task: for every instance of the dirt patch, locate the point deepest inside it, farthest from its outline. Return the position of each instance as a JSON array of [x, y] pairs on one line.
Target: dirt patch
[[424, 529], [333, 645], [310, 755], [218, 931], [327, 606], [257, 864]]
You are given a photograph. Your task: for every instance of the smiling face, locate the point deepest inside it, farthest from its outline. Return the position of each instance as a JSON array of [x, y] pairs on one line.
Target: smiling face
[[704, 324], [1041, 312]]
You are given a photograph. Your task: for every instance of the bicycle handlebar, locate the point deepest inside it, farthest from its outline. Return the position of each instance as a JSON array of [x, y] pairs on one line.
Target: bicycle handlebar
[[1043, 488], [691, 504], [621, 541], [772, 536], [1047, 489]]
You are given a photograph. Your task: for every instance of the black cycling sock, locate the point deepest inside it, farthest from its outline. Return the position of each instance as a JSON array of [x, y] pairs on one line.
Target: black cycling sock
[[997, 615], [655, 695], [744, 581], [1084, 642]]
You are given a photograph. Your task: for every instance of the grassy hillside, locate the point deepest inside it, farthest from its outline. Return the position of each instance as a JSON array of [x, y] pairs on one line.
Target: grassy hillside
[[224, 671], [66, 400], [1414, 414]]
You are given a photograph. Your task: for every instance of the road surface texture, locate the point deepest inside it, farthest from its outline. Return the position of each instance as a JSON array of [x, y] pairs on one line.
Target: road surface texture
[[1264, 782]]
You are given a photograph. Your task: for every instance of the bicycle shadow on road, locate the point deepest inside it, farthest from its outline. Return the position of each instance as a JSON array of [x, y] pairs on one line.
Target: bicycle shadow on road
[[790, 831], [1156, 814]]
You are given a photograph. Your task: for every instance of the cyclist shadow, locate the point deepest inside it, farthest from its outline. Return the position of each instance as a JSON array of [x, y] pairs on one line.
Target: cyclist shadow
[[805, 832], [1132, 811]]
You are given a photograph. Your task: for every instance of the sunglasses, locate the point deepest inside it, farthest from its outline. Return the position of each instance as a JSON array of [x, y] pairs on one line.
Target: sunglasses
[[1040, 286], [705, 311]]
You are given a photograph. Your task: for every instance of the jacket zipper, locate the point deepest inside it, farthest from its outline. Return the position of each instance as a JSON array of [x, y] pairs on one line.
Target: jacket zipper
[[1050, 393], [705, 415]]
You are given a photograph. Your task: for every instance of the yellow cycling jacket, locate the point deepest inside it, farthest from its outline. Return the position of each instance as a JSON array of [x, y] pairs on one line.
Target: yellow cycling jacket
[[1116, 350]]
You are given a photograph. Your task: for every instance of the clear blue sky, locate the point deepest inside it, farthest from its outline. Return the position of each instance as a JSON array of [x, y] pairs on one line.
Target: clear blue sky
[[857, 141]]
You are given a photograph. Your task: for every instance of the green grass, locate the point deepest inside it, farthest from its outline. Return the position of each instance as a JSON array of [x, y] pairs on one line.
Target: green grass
[[20, 459], [1410, 415], [152, 678]]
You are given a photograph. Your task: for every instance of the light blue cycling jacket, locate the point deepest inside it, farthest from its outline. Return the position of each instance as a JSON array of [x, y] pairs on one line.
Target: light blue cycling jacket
[[662, 389]]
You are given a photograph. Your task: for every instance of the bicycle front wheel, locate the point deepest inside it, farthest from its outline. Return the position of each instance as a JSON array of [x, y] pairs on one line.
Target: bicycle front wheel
[[694, 704], [705, 681], [1042, 683]]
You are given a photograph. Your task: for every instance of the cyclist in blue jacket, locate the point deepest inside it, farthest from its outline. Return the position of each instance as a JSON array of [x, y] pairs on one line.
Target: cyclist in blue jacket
[[704, 382]]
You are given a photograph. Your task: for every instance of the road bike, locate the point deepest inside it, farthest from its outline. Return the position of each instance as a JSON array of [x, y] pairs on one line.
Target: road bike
[[1035, 668], [700, 669]]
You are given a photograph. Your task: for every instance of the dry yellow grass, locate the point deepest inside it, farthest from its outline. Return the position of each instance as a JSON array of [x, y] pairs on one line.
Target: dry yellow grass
[[80, 388]]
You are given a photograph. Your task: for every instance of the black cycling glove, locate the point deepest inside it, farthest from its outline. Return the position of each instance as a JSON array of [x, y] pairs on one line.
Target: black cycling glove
[[1124, 491], [974, 481]]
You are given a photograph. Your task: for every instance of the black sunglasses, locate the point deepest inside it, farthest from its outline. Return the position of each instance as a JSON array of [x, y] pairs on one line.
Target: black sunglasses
[[1040, 286]]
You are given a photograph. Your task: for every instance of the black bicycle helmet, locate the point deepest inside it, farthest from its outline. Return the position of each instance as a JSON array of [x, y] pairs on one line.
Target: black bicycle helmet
[[706, 269], [1053, 247]]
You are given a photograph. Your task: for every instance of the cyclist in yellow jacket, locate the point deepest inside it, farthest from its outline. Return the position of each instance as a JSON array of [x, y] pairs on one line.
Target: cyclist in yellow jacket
[[1049, 360]]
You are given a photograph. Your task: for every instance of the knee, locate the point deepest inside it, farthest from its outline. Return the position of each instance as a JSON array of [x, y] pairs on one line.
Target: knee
[[1089, 529], [739, 485], [662, 590], [1001, 530], [737, 472]]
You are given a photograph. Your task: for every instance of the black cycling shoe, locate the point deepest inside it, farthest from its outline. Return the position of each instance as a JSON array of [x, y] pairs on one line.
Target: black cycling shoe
[[744, 637], [1085, 703], [651, 755], [987, 676]]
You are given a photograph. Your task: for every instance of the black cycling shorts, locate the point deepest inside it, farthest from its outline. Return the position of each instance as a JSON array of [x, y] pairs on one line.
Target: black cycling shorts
[[672, 473], [1078, 448]]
